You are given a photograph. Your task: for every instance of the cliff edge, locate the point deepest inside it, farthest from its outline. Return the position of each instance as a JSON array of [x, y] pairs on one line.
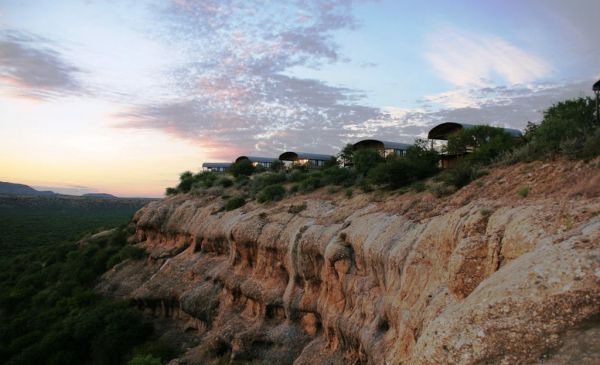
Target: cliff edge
[[483, 276]]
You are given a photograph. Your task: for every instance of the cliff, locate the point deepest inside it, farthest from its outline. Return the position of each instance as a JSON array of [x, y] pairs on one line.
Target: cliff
[[483, 276]]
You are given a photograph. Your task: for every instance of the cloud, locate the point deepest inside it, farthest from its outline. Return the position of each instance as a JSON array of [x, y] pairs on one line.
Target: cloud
[[31, 67], [234, 91], [465, 59], [233, 95]]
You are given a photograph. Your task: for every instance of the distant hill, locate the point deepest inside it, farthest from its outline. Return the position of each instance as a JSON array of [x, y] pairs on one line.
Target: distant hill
[[20, 189], [99, 195]]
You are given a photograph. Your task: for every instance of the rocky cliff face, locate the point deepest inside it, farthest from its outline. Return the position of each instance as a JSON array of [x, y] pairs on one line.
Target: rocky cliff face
[[483, 276]]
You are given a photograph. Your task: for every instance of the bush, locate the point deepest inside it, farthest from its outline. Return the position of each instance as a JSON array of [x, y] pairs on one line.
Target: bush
[[242, 168], [487, 142], [336, 175], [365, 159], [296, 175], [145, 360], [224, 182], [295, 209], [418, 163], [568, 120], [460, 175], [186, 179], [205, 180], [349, 193], [271, 193], [345, 155], [234, 203], [276, 165], [171, 191], [311, 183], [523, 192]]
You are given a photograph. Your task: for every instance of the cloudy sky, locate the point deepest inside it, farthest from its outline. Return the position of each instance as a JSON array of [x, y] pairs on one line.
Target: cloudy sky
[[120, 96]]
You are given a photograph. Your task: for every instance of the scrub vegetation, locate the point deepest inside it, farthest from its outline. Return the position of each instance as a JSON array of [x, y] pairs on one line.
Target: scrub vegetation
[[49, 311], [568, 130]]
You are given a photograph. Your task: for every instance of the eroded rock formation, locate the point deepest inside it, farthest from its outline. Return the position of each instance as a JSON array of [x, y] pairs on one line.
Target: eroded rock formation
[[483, 276]]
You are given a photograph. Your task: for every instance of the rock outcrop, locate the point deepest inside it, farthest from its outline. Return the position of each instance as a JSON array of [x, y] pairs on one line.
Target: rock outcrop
[[483, 276]]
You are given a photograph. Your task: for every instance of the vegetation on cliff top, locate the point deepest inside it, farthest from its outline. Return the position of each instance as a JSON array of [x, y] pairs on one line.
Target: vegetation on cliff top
[[568, 129]]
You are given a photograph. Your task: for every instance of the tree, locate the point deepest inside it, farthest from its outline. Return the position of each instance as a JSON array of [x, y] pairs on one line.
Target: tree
[[345, 154], [242, 168], [486, 142], [276, 165], [365, 159], [563, 121], [186, 179]]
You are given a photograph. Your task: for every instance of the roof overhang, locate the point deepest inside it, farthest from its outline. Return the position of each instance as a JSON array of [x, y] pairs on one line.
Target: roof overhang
[[380, 145]]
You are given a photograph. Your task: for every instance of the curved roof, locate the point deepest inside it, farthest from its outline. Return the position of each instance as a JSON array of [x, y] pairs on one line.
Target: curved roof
[[256, 159], [216, 164], [375, 143], [293, 156], [442, 131]]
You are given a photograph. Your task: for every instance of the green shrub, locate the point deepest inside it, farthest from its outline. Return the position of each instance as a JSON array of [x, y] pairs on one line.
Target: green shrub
[[234, 203], [271, 193], [345, 155], [171, 191], [224, 182], [365, 159], [349, 193], [336, 175], [186, 179], [296, 175], [460, 175], [276, 166], [566, 120], [145, 360], [591, 146], [486, 141], [295, 188], [418, 163], [523, 192], [242, 168], [311, 183]]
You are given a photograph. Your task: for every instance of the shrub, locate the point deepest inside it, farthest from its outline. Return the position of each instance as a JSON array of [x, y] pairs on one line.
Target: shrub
[[591, 146], [333, 161], [566, 120], [460, 175], [349, 192], [204, 180], [276, 165], [271, 193], [311, 183], [171, 191], [242, 168], [295, 188], [296, 175], [295, 209], [336, 175], [224, 182], [365, 159], [418, 163], [186, 179], [234, 203], [487, 142], [147, 359], [345, 155], [523, 192]]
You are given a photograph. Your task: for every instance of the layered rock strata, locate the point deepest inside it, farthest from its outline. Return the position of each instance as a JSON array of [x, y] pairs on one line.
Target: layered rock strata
[[483, 276]]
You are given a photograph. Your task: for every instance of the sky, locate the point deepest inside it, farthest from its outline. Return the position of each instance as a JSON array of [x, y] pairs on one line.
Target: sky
[[121, 96]]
